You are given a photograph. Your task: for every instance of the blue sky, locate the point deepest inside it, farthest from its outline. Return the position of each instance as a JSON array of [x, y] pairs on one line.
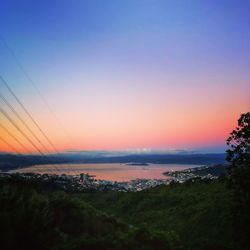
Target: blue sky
[[119, 74]]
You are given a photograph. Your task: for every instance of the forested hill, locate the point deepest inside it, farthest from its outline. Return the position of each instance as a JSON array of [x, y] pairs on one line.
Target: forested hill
[[195, 215]]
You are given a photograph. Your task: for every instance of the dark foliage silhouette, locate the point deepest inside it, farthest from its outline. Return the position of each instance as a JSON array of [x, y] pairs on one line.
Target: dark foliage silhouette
[[239, 178]]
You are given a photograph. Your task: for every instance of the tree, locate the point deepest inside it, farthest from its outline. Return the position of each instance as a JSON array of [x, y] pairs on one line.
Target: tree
[[239, 156], [239, 177]]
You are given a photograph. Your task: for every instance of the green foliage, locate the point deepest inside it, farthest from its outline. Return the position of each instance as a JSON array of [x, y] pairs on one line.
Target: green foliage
[[193, 215], [34, 219], [196, 214], [239, 157]]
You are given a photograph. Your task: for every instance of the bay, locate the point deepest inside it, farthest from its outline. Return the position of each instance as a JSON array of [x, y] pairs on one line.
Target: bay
[[111, 171]]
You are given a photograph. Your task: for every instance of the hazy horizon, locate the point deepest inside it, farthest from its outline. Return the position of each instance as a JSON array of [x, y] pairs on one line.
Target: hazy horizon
[[143, 151]]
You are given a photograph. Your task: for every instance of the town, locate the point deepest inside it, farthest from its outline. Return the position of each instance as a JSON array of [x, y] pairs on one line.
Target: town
[[84, 181]]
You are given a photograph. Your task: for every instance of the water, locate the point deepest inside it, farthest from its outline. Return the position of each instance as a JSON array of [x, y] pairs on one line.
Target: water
[[112, 171]]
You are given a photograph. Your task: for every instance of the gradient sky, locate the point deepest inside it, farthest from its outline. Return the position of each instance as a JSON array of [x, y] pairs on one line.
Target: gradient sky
[[129, 75]]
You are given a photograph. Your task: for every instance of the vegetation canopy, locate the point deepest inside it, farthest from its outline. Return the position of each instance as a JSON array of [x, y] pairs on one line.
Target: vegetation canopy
[[239, 177]]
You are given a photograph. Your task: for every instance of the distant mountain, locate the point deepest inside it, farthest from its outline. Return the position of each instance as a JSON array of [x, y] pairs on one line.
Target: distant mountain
[[12, 161], [158, 159]]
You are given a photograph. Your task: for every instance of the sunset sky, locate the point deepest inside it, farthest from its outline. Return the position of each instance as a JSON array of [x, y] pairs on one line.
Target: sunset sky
[[127, 75]]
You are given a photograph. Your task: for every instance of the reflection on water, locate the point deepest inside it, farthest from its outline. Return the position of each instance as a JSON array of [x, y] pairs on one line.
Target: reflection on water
[[111, 171]]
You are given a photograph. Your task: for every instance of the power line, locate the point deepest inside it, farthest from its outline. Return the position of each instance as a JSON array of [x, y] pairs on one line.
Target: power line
[[12, 136], [19, 64], [22, 106], [23, 133], [30, 116], [15, 150], [19, 129], [29, 129], [23, 122], [17, 140], [9, 145]]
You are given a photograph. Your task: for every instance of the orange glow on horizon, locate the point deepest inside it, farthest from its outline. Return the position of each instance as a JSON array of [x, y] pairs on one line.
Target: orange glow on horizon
[[144, 76], [156, 134]]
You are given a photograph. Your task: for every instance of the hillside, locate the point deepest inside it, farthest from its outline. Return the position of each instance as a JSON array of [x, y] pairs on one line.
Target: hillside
[[198, 213], [34, 219], [179, 216], [13, 161]]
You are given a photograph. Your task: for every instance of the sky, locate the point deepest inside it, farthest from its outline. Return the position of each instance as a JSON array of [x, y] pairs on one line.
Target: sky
[[133, 75]]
